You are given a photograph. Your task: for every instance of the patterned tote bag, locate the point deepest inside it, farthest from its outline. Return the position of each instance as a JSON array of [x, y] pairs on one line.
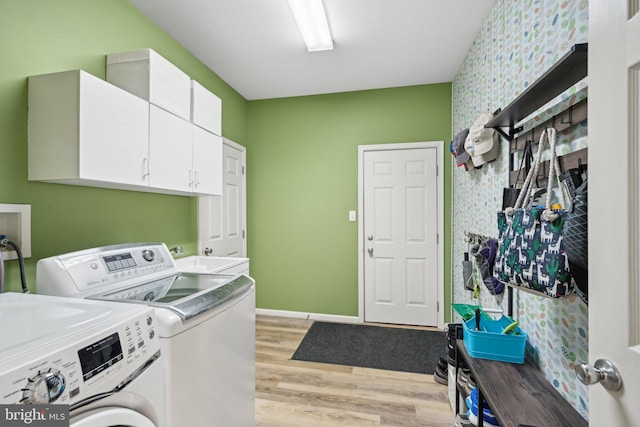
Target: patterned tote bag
[[531, 254]]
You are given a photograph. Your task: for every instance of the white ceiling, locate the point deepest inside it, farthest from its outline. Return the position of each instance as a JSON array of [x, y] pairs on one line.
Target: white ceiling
[[255, 46]]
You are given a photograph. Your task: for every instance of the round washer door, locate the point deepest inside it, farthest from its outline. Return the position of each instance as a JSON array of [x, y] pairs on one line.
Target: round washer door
[[111, 416]]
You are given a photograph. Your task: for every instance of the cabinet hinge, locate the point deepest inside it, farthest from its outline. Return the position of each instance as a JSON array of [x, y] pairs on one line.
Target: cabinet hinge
[[243, 234], [437, 238], [438, 306], [437, 170], [243, 170]]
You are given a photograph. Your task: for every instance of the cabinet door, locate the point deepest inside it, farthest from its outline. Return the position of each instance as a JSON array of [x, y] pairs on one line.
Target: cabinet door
[[113, 133], [170, 151], [207, 162]]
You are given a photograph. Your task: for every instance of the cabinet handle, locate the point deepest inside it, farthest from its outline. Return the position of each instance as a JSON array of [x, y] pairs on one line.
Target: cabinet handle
[[145, 167]]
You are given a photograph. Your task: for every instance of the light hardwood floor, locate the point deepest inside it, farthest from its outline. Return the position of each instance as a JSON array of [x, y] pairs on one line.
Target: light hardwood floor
[[305, 394]]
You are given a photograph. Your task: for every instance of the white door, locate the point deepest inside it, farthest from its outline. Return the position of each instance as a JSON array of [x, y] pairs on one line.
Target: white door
[[400, 242], [614, 206], [221, 219]]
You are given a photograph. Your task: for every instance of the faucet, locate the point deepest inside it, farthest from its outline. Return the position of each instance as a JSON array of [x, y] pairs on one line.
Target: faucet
[[177, 250]]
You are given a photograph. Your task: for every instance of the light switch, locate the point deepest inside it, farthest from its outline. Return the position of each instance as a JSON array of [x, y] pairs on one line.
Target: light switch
[[352, 216]]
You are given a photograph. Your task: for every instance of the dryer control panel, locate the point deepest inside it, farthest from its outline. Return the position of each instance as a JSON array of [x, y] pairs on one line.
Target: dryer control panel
[[72, 369], [85, 272]]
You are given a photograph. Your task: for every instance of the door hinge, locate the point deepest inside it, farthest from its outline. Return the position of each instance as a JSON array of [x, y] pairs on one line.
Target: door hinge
[[243, 170], [243, 234], [437, 238], [438, 306], [437, 170]]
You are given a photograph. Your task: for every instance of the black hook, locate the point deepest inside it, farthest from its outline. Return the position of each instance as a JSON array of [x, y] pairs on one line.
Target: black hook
[[569, 117]]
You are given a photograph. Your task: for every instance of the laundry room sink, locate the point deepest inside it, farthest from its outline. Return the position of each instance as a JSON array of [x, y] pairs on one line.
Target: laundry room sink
[[211, 264]]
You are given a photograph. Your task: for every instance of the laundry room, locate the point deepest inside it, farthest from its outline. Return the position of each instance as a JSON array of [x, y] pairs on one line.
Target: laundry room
[[299, 223]]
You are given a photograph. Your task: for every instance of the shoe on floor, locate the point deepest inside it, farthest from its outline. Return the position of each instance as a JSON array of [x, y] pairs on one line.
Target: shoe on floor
[[471, 384], [473, 419], [441, 377], [463, 421], [442, 364]]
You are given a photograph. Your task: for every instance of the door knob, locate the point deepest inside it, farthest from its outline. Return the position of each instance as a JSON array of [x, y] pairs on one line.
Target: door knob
[[208, 251], [370, 237], [603, 371], [370, 250]]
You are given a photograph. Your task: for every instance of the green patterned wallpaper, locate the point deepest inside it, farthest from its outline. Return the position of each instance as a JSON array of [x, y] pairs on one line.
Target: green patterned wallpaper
[[518, 43]]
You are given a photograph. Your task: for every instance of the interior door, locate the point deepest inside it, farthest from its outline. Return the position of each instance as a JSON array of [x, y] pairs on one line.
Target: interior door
[[400, 236], [614, 206], [221, 219]]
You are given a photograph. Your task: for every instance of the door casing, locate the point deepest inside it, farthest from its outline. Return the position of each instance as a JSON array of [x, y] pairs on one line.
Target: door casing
[[439, 146]]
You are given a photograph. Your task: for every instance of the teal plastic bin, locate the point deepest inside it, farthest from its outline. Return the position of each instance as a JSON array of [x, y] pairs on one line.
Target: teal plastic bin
[[490, 343]]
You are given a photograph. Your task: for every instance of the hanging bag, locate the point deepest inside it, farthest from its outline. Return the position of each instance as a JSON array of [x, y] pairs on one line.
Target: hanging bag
[[531, 254], [576, 240], [467, 271], [510, 194]]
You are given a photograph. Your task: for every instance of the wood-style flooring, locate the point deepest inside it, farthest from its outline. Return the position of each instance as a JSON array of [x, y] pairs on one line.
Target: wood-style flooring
[[306, 394]]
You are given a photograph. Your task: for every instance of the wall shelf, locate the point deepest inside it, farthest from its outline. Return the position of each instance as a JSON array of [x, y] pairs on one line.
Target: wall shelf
[[569, 70]]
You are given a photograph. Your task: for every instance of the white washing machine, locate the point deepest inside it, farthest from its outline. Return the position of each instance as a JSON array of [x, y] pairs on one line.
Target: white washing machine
[[206, 325], [101, 359]]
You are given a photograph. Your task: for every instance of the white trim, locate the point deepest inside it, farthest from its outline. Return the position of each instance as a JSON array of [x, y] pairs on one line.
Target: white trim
[[439, 146], [308, 316]]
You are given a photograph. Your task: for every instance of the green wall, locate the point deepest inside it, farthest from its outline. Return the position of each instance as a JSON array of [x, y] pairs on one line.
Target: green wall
[[302, 158], [302, 180], [44, 36]]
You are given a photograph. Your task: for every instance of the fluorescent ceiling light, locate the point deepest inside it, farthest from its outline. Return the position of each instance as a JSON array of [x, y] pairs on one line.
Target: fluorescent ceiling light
[[312, 23]]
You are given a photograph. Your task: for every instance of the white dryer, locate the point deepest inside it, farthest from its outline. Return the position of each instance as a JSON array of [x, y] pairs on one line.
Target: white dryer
[[101, 359], [206, 325]]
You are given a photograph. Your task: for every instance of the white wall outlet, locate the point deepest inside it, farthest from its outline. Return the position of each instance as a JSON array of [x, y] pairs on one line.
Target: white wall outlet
[[352, 216]]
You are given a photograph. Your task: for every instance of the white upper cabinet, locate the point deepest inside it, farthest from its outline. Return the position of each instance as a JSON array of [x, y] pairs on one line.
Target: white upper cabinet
[[148, 75], [84, 131], [149, 127], [207, 162], [183, 157], [170, 151], [206, 109]]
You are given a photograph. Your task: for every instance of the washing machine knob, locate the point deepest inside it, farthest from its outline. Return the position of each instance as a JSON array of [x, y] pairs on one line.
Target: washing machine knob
[[44, 387], [148, 255]]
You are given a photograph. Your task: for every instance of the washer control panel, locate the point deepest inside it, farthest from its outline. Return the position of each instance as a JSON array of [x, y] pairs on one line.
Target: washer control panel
[[66, 374], [80, 273]]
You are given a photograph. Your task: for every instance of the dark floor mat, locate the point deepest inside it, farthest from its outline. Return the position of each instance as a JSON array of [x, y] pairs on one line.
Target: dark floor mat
[[394, 349]]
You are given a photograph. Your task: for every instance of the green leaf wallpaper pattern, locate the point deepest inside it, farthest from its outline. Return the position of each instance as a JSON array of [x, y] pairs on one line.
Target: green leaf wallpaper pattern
[[518, 43]]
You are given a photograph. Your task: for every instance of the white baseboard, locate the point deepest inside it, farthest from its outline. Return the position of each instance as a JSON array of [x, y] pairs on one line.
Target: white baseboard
[[308, 316]]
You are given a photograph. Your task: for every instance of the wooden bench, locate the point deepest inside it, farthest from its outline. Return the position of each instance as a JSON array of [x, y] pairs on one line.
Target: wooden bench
[[519, 395]]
